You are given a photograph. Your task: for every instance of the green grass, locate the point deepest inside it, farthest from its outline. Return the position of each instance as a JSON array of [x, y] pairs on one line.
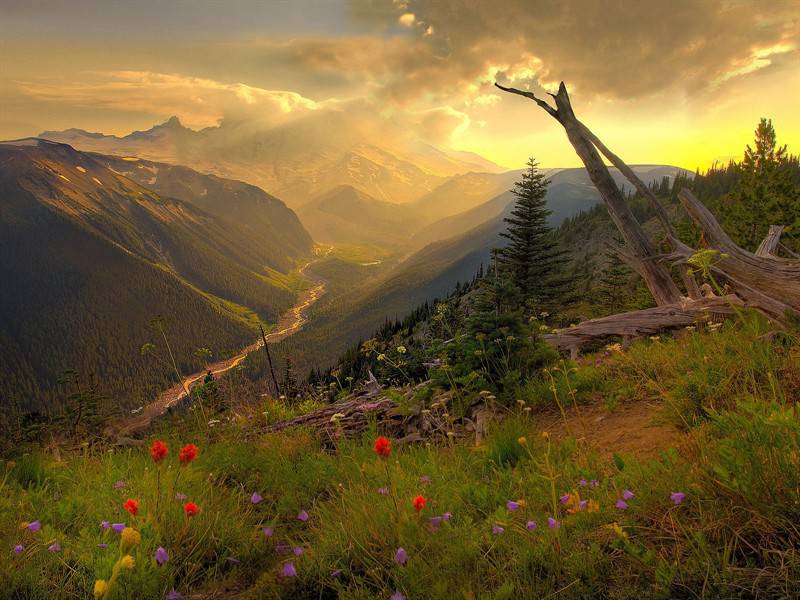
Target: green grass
[[360, 253], [735, 534]]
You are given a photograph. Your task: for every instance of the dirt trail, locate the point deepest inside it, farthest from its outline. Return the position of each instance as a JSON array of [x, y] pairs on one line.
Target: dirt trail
[[288, 324], [631, 428]]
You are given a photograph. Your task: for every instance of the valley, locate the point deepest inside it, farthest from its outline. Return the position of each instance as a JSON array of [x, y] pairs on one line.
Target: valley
[[289, 323]]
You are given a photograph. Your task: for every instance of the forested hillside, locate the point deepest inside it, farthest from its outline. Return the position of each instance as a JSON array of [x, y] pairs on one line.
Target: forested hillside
[[94, 257]]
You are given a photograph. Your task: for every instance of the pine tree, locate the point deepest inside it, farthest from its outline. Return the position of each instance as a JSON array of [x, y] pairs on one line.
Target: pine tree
[[765, 194], [532, 259], [614, 282]]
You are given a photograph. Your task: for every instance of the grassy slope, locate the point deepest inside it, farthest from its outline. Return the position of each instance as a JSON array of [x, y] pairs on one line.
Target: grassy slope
[[730, 392]]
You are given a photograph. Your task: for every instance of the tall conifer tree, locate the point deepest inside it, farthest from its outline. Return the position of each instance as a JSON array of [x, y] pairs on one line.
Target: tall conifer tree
[[533, 259]]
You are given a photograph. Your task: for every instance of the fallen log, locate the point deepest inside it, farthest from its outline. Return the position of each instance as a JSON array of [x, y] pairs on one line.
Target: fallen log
[[647, 322], [771, 281]]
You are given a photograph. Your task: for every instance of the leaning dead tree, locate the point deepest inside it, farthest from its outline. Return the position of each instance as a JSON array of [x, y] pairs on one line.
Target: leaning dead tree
[[762, 280]]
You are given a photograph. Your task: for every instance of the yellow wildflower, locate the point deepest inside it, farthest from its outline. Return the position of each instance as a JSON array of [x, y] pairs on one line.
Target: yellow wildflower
[[100, 588], [592, 506], [618, 530], [522, 441], [545, 435], [130, 537], [127, 562]]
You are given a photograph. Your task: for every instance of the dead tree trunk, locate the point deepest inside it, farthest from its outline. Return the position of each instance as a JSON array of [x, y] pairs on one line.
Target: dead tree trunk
[[655, 275], [770, 244], [762, 280]]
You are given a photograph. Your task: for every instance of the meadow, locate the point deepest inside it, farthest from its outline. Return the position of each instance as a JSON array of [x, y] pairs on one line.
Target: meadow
[[527, 513]]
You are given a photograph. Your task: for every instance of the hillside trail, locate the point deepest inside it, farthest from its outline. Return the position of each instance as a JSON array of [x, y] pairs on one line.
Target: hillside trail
[[636, 428], [289, 323]]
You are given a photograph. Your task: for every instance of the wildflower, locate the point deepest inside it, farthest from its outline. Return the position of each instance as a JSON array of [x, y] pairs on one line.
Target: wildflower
[[127, 562], [436, 521], [401, 349], [297, 551], [268, 531], [583, 483], [677, 497], [447, 516], [545, 435], [336, 572], [255, 498], [19, 549], [337, 417], [594, 483], [553, 523], [383, 447], [497, 530], [400, 556], [288, 570], [425, 479], [627, 494], [105, 524], [118, 527], [130, 537], [564, 499], [397, 596], [302, 516], [418, 503], [618, 530], [102, 546], [511, 505], [621, 504], [531, 525], [35, 526], [119, 484], [54, 547], [158, 451], [132, 506], [100, 588], [522, 441], [191, 509], [187, 454], [174, 595], [161, 556]]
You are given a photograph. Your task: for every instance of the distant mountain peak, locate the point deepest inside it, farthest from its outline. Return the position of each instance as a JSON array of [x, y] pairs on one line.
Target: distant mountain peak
[[173, 121]]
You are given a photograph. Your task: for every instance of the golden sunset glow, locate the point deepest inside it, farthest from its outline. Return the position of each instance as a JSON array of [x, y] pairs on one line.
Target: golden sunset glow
[[647, 77]]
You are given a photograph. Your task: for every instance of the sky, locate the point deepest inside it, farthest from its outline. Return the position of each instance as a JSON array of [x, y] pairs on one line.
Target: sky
[[682, 82]]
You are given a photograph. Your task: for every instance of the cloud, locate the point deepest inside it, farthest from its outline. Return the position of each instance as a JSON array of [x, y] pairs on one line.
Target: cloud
[[609, 49], [198, 101], [441, 124]]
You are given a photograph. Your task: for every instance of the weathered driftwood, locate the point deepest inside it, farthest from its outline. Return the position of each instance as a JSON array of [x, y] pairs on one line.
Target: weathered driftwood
[[770, 244], [405, 422], [772, 280], [645, 322]]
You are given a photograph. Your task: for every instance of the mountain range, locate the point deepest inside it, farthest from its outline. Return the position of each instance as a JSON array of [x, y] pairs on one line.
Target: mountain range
[[91, 256], [298, 160]]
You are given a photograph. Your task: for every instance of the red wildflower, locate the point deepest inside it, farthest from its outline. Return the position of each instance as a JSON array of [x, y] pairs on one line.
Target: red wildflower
[[383, 447], [132, 506], [158, 451], [419, 503], [191, 509], [187, 454]]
